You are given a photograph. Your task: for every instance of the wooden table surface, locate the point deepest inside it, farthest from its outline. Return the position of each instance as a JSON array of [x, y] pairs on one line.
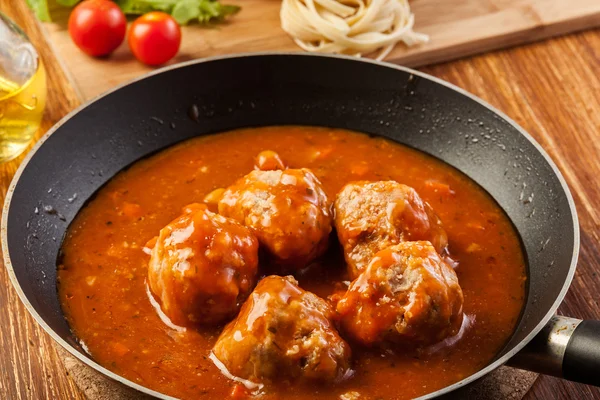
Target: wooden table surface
[[551, 88]]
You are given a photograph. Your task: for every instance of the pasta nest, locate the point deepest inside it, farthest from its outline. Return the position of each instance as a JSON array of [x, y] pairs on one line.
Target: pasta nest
[[355, 27]]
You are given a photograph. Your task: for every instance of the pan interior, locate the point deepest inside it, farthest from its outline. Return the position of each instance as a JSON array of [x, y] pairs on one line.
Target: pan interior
[[202, 98]]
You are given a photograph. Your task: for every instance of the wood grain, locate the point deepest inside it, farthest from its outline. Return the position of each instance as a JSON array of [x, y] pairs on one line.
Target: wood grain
[[551, 88], [457, 28], [29, 364]]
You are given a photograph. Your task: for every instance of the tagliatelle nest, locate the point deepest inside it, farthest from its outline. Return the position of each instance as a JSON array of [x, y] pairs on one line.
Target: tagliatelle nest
[[354, 27]]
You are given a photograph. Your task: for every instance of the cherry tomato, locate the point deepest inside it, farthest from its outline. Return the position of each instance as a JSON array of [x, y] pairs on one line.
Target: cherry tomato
[[154, 38], [97, 26]]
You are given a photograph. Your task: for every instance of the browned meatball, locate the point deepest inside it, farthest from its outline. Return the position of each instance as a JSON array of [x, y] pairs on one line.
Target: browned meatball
[[370, 216], [283, 333], [202, 267], [407, 294], [287, 210]]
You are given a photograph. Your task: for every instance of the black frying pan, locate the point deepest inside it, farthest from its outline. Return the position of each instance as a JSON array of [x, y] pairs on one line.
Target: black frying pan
[[89, 146]]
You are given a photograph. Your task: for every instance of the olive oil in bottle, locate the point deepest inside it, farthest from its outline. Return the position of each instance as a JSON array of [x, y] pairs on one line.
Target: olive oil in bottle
[[21, 109], [22, 90]]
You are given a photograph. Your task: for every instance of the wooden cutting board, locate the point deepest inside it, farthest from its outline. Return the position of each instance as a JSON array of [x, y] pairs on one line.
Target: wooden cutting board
[[456, 27]]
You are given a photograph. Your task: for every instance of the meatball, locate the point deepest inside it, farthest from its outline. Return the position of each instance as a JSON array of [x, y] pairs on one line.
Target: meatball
[[407, 295], [283, 333], [202, 267], [287, 210], [370, 216]]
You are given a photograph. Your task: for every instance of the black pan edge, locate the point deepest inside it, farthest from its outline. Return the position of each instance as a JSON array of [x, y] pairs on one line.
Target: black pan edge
[[500, 361]]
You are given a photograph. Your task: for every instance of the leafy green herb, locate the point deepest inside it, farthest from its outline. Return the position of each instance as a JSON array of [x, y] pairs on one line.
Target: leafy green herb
[[183, 11], [213, 10], [67, 3], [137, 7], [40, 8]]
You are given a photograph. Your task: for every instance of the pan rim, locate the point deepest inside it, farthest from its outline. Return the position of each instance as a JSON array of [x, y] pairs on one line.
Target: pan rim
[[111, 375]]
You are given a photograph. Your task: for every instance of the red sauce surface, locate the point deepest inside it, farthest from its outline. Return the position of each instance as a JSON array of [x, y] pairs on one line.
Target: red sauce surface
[[103, 272]]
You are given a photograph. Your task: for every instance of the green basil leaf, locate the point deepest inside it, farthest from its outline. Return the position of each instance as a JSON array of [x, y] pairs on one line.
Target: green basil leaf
[[138, 7], [67, 3], [185, 11], [209, 10], [40, 9], [213, 10]]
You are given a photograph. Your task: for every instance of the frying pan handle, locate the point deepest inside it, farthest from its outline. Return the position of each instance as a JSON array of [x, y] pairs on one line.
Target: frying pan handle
[[582, 355], [568, 348]]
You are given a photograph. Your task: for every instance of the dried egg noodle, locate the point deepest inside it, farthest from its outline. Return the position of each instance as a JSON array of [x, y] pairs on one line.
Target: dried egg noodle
[[349, 26]]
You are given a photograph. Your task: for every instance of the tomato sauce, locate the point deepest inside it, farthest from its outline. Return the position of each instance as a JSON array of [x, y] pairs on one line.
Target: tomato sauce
[[102, 274]]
